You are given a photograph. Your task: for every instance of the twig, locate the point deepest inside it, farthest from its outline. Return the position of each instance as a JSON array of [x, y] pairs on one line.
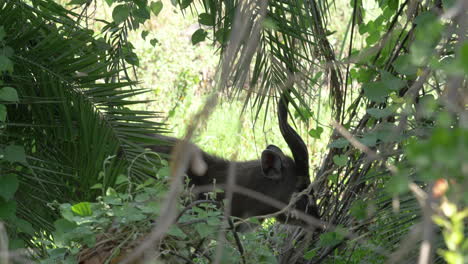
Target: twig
[[237, 239]]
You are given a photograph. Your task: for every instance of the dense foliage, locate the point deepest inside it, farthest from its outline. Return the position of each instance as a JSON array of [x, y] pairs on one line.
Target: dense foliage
[[77, 184]]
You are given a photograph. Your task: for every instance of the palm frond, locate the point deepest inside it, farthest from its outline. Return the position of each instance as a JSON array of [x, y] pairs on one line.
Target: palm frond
[[73, 116]]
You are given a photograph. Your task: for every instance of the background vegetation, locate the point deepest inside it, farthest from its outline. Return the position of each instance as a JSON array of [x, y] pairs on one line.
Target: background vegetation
[[381, 98]]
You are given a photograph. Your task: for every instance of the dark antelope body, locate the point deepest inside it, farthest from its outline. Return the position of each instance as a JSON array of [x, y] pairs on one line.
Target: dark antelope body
[[275, 175]]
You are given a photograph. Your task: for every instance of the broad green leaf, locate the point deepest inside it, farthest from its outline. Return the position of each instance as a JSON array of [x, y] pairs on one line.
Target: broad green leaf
[[96, 186], [373, 38], [397, 184], [3, 113], [269, 23], [156, 7], [392, 4], [380, 113], [64, 226], [340, 160], [206, 19], [330, 239], [6, 65], [24, 226], [7, 209], [339, 143], [177, 232], [359, 209], [132, 58], [303, 113], [154, 41], [391, 82], [120, 13], [8, 94], [376, 91], [310, 254], [144, 34], [204, 230], [109, 2], [121, 179], [315, 133], [15, 153], [403, 65], [369, 139], [142, 13], [220, 36], [82, 209], [8, 186], [199, 36]]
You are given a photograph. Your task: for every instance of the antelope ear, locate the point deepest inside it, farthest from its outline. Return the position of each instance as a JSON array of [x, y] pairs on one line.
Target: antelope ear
[[271, 164]]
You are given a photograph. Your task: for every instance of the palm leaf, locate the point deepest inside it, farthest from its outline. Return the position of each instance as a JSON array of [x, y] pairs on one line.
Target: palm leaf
[[72, 116]]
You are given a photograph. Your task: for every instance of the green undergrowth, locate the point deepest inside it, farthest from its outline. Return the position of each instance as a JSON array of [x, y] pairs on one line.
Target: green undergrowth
[[121, 218]]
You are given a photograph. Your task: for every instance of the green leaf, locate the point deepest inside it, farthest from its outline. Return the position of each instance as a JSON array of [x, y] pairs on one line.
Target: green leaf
[[96, 186], [339, 143], [156, 7], [380, 113], [7, 209], [8, 94], [397, 184], [63, 226], [15, 153], [77, 2], [121, 179], [340, 160], [204, 230], [132, 58], [142, 13], [120, 13], [82, 209], [269, 23], [369, 139], [310, 254], [3, 113], [403, 65], [206, 19], [8, 186], [373, 38], [376, 91], [392, 82], [315, 133], [303, 113], [144, 34], [154, 41], [464, 56], [199, 36], [24, 226], [185, 3], [2, 33], [177, 232], [392, 4], [359, 209], [330, 239], [6, 65]]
